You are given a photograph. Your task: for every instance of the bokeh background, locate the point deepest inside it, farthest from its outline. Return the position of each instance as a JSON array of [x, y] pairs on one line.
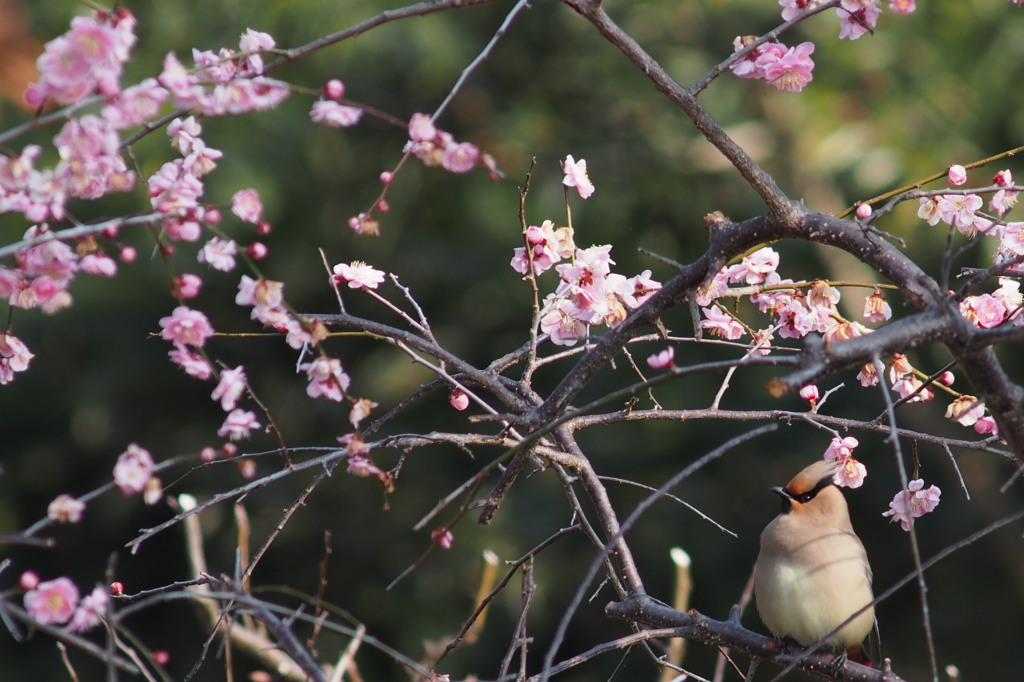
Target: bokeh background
[[940, 86]]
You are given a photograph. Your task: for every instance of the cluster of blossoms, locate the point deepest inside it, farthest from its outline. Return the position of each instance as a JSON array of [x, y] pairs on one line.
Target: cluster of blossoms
[[790, 68], [912, 503], [58, 602], [795, 313], [86, 60], [224, 82], [786, 68], [589, 293], [435, 147], [332, 112], [133, 474], [851, 471], [907, 505]]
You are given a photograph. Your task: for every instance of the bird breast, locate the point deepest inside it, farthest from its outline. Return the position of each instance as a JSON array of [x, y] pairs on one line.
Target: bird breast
[[810, 581]]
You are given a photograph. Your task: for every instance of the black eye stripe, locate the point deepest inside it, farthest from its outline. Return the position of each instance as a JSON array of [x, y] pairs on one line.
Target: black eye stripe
[[804, 498]]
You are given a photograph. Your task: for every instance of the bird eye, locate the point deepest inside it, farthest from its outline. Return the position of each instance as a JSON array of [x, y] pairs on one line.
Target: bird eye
[[806, 497]]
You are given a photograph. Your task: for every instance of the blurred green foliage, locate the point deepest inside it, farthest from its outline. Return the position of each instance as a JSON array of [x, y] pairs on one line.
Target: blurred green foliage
[[938, 87]]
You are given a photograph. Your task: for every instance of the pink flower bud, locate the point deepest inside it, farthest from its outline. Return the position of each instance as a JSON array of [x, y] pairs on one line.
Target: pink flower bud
[[28, 581], [810, 394], [386, 177], [208, 454], [946, 378], [187, 285], [662, 359], [1003, 178], [442, 537], [334, 89], [383, 206], [229, 449], [458, 400], [161, 658], [117, 588], [212, 216], [127, 254], [263, 228], [863, 211], [956, 174], [257, 250], [247, 467]]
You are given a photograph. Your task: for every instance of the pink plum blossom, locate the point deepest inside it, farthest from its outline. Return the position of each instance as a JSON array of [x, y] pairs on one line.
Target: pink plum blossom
[[576, 176], [14, 357], [186, 327], [327, 379], [857, 17], [421, 128], [966, 409], [133, 469], [230, 388], [841, 449], [358, 275], [135, 105], [98, 264], [246, 204], [793, 70], [254, 42], [851, 472], [986, 425], [562, 323], [183, 132], [713, 288], [912, 503], [52, 602], [90, 610], [662, 359], [721, 323], [986, 311], [238, 424], [219, 254], [335, 114], [259, 293], [361, 409], [959, 211], [460, 157], [194, 364], [876, 308], [65, 509], [752, 65], [201, 160], [903, 6], [755, 267], [928, 209], [792, 8]]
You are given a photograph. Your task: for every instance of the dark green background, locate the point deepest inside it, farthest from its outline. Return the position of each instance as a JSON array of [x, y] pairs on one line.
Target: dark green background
[[941, 86]]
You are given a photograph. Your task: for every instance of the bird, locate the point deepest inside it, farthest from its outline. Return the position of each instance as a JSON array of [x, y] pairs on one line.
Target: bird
[[812, 573]]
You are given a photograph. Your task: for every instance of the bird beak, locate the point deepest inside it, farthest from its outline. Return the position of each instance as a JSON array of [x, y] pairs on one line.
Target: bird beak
[[787, 499]]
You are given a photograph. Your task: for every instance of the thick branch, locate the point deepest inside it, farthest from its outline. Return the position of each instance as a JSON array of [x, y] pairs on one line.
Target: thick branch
[[730, 633]]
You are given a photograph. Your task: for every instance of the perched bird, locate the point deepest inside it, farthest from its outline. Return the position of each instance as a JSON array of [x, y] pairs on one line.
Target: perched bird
[[812, 573]]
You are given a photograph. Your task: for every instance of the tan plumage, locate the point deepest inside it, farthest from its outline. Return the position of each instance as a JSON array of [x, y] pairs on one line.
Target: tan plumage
[[812, 572]]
